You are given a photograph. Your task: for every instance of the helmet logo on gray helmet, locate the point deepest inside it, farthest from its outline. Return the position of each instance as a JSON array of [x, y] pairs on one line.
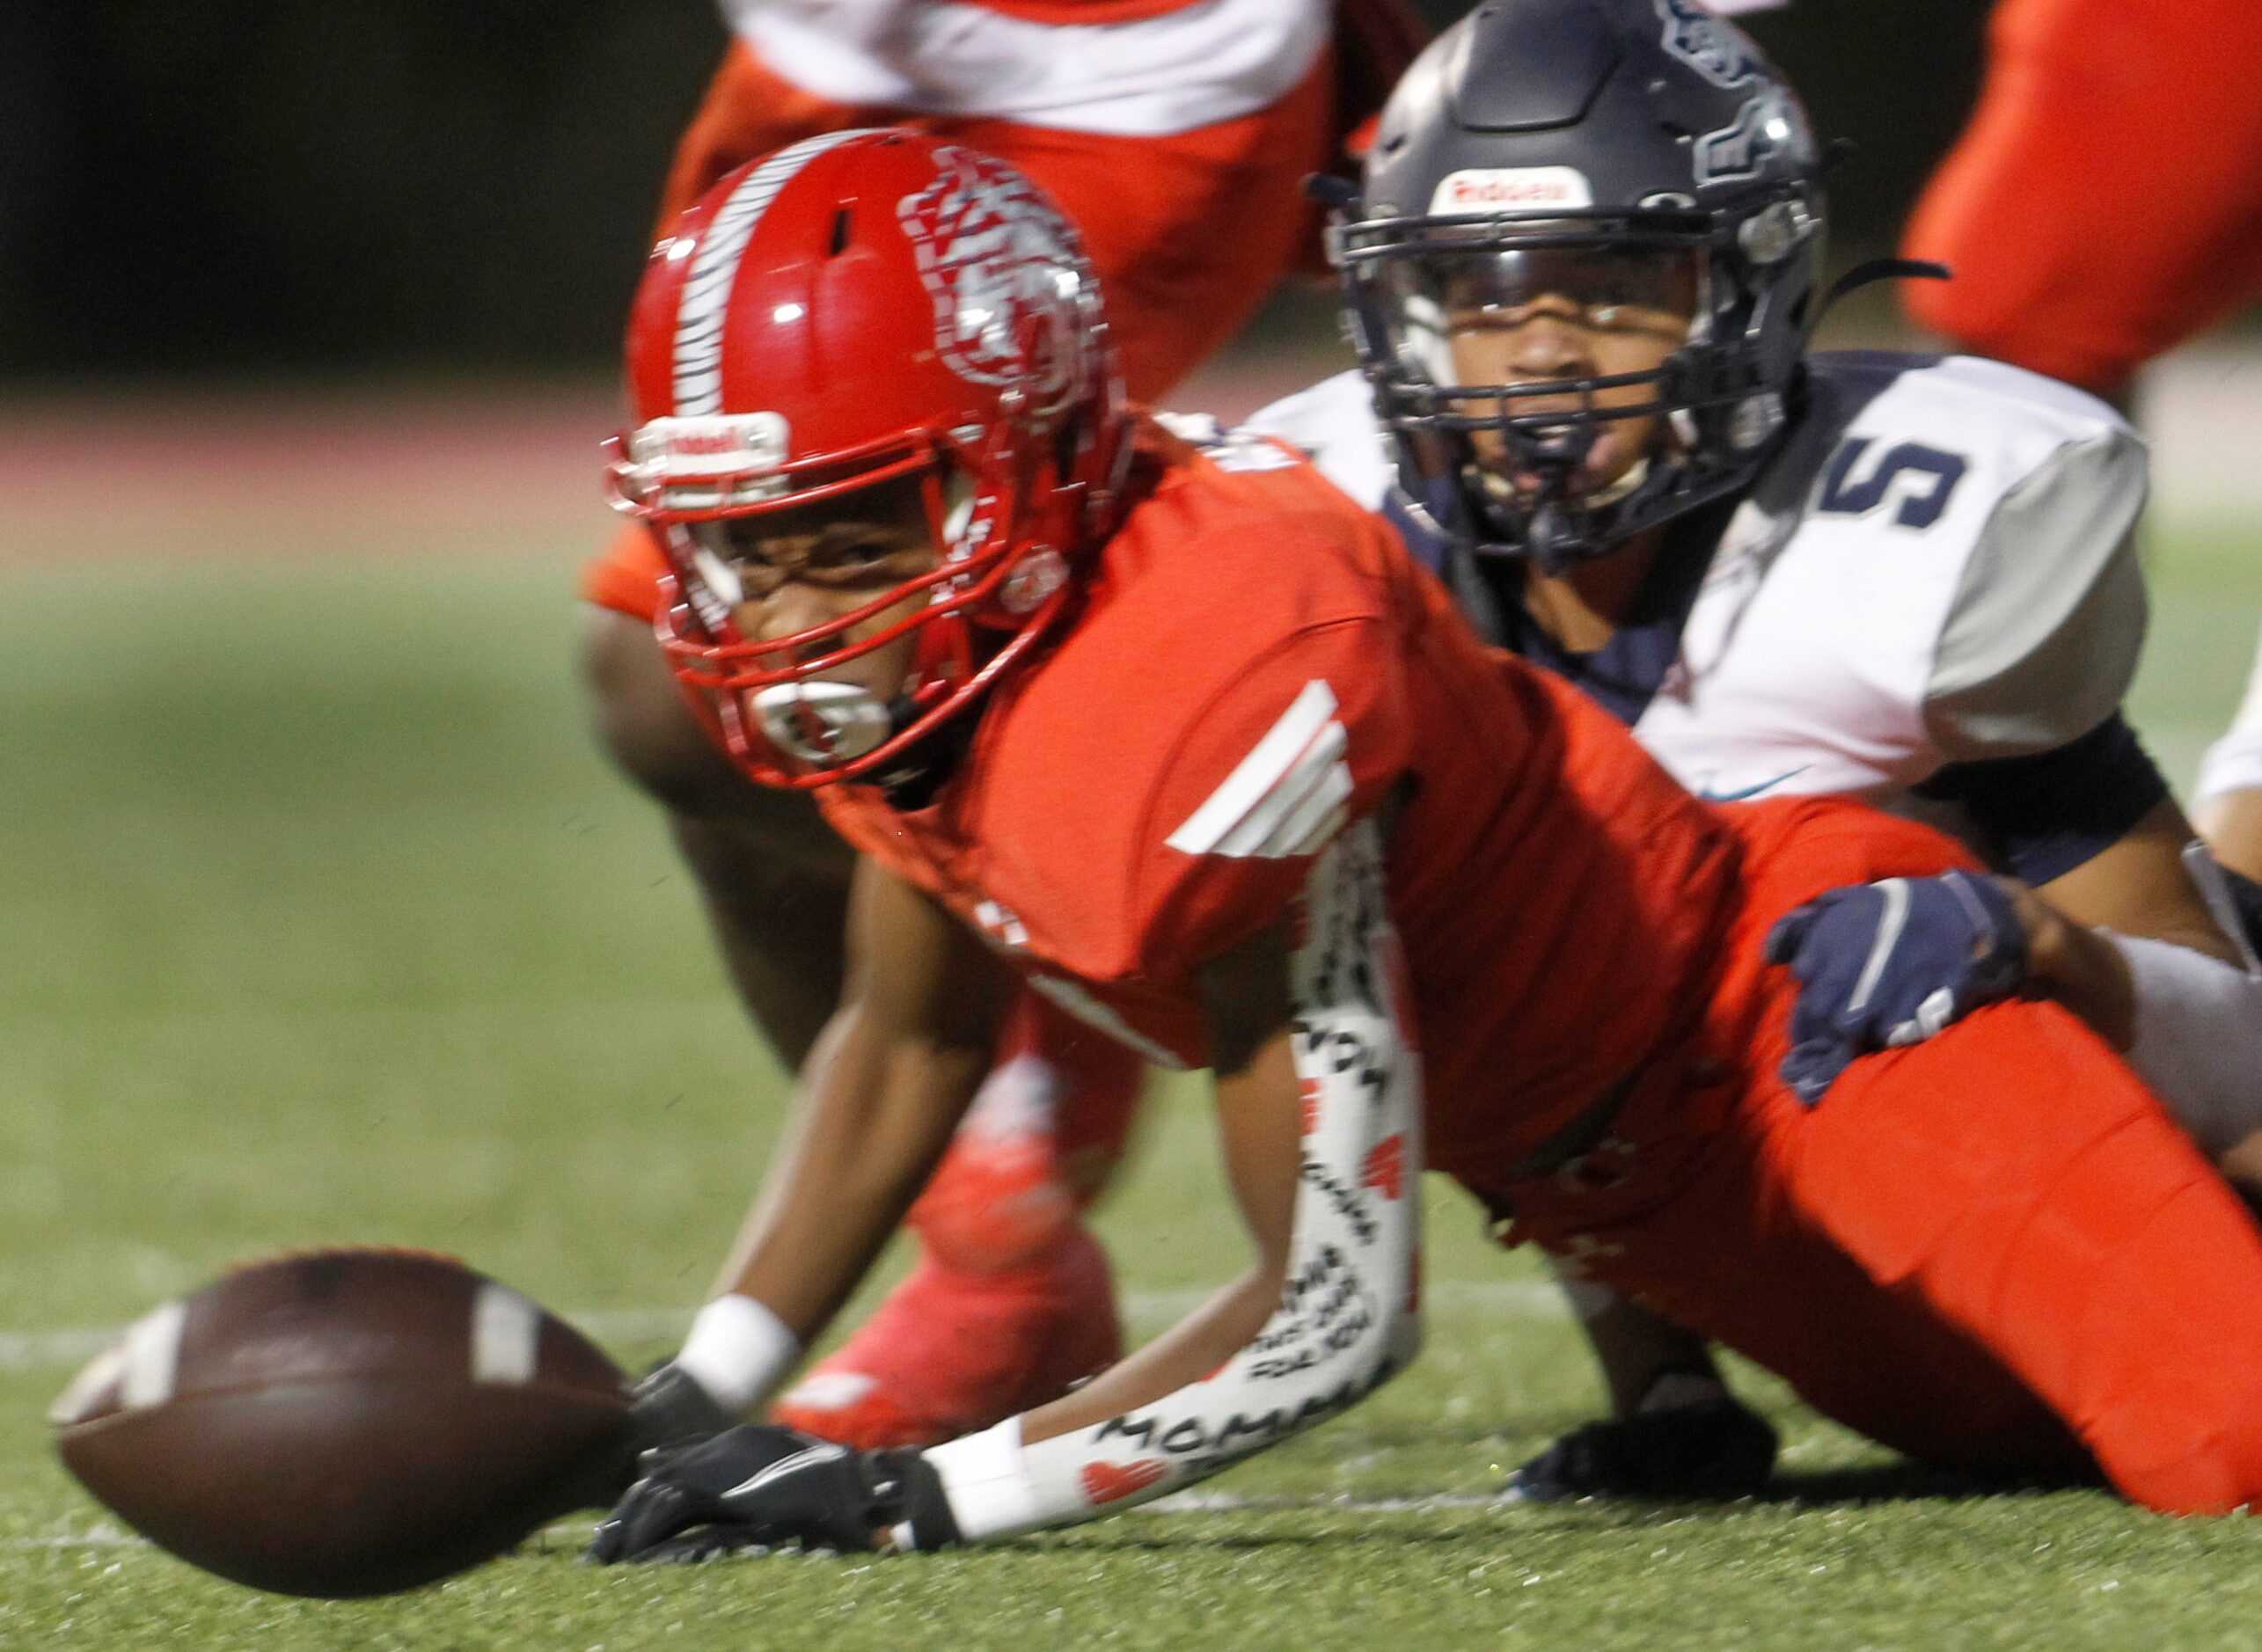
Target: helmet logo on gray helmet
[[1742, 148], [1707, 44]]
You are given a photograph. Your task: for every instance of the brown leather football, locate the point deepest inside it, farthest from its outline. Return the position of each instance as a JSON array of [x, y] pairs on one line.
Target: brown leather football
[[343, 1422]]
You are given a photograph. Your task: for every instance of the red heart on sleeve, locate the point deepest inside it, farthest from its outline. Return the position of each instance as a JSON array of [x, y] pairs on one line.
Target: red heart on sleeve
[[1386, 1166], [1105, 1482]]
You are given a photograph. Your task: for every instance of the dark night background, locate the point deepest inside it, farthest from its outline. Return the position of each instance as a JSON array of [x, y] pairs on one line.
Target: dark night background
[[336, 186]]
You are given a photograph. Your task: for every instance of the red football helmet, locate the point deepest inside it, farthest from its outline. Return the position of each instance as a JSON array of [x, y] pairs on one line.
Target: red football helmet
[[858, 308]]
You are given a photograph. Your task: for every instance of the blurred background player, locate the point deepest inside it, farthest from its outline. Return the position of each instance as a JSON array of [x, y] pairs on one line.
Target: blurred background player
[[1175, 135], [2104, 206], [1894, 576]]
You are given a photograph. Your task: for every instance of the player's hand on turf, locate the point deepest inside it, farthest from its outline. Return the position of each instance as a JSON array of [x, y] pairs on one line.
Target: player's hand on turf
[[762, 1487], [670, 1408], [667, 1410], [1713, 1448], [1881, 965]]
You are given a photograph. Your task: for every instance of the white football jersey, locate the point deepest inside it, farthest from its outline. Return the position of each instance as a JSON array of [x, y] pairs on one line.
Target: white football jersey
[[1936, 568]]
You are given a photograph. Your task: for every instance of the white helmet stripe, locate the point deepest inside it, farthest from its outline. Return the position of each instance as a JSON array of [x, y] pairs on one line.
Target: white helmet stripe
[[706, 301]]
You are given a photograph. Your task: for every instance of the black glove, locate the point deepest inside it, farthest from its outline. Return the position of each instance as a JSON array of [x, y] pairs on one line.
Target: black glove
[[761, 1487], [666, 1410], [1714, 1450]]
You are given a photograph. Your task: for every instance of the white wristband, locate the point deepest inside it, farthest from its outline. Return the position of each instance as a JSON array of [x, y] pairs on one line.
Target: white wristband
[[986, 1484], [738, 1351]]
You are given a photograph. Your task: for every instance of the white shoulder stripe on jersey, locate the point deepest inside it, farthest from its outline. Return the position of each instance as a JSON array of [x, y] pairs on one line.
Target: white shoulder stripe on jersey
[[1285, 797], [706, 301], [1303, 809]]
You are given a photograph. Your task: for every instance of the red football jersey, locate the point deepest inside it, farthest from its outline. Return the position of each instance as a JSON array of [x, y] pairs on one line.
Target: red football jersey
[[1259, 664]]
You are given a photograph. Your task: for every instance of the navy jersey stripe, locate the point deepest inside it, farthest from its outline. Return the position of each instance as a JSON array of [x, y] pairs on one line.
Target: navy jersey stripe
[[2045, 814]]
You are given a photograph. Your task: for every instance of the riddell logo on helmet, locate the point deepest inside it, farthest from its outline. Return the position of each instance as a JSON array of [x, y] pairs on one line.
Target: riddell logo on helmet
[[1512, 189], [707, 443]]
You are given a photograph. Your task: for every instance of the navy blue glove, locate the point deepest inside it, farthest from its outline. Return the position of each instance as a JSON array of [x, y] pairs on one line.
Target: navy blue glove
[[761, 1487], [1885, 964]]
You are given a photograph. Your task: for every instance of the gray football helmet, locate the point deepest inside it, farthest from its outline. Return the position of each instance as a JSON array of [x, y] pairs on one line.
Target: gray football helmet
[[1627, 152]]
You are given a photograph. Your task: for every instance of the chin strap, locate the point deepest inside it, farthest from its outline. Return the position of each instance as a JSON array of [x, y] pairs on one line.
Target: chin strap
[[1553, 518], [926, 764]]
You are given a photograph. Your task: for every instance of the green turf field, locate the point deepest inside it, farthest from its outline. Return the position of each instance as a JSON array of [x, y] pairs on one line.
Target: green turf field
[[324, 923]]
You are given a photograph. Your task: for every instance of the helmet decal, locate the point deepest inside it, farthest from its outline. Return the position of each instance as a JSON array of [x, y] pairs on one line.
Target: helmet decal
[[1033, 582], [1006, 278], [706, 300], [1699, 39], [1741, 149], [1487, 189]]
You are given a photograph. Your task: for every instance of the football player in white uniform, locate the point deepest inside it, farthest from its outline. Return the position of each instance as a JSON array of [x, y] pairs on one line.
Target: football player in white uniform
[[1581, 304]]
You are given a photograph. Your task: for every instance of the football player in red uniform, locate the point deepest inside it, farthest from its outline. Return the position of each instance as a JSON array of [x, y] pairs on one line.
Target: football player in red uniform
[[2104, 206], [1414, 902], [1175, 134]]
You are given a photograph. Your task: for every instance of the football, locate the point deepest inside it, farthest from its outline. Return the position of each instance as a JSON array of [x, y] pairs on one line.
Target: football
[[343, 1422]]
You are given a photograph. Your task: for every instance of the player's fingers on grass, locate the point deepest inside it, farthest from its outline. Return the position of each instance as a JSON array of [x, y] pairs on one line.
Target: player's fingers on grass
[[653, 1510]]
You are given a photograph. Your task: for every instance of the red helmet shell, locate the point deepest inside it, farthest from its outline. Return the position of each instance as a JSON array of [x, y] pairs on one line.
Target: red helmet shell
[[856, 307]]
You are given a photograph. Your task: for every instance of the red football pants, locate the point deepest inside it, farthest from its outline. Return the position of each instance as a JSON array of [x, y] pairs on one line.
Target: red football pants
[[1037, 1146], [1993, 1248], [2105, 202]]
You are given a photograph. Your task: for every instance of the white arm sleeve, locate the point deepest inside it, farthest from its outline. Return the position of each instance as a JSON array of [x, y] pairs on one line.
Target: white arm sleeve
[[1348, 1317], [2199, 1038]]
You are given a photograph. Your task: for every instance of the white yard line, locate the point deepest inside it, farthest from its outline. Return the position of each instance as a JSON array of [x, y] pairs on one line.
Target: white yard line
[[100, 1537], [39, 1351], [31, 1350], [1184, 1502], [1235, 1503]]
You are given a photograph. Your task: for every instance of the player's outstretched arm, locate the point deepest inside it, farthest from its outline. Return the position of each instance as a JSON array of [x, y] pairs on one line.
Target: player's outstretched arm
[[877, 1100], [2144, 942], [1319, 1094], [1320, 1099], [2139, 887], [2128, 939]]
